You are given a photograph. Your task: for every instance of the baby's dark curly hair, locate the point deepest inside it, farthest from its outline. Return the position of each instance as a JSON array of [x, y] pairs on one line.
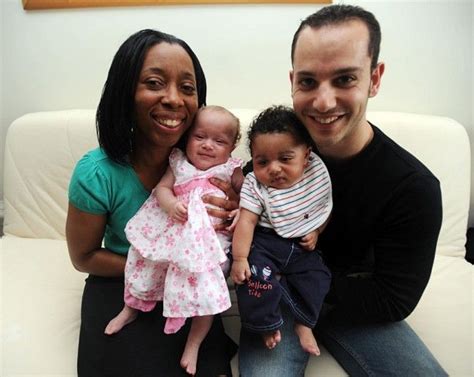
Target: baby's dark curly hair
[[278, 119]]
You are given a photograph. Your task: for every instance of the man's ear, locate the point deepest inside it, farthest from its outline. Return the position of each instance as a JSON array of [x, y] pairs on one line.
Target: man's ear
[[291, 81], [376, 78]]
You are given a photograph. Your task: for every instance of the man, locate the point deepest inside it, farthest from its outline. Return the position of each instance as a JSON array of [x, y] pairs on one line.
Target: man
[[381, 239]]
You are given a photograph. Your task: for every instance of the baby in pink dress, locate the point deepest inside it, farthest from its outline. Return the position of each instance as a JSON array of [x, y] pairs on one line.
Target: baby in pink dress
[[175, 254]]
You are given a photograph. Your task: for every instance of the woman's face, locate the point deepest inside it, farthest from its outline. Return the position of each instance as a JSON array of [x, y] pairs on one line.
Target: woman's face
[[166, 96]]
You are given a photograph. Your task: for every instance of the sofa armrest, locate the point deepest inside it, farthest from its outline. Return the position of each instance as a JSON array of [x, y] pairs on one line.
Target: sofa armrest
[[470, 246]]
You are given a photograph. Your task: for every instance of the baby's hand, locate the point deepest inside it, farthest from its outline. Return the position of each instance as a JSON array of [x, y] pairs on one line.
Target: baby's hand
[[233, 218], [179, 212], [309, 241], [240, 271]]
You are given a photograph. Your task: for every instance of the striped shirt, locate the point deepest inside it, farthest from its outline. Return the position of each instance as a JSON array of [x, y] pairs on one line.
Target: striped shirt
[[294, 211]]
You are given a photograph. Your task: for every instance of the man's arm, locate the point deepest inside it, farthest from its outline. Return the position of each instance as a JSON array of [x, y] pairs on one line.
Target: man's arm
[[403, 251]]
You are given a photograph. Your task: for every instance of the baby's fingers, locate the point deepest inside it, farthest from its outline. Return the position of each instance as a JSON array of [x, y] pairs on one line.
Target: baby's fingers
[[247, 274], [233, 217], [237, 278], [308, 245], [182, 209]]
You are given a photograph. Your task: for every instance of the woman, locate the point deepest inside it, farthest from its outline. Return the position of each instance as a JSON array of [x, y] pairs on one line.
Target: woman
[[153, 90]]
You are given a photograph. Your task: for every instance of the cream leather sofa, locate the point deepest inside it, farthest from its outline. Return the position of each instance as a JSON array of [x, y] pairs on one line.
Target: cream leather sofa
[[41, 291]]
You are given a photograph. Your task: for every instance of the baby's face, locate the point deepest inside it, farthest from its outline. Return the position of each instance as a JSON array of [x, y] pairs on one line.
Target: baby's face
[[211, 140], [278, 159]]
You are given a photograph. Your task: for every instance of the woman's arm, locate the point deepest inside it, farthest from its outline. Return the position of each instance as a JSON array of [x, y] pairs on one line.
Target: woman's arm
[[84, 234]]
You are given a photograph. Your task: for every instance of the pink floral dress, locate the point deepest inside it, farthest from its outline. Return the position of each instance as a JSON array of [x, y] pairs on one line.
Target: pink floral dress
[[179, 263]]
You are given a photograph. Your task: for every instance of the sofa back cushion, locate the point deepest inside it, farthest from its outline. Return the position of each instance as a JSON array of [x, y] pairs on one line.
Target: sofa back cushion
[[442, 144], [40, 153], [42, 149]]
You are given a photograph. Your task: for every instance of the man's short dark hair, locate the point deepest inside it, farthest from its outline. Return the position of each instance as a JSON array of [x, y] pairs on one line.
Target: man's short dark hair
[[337, 14]]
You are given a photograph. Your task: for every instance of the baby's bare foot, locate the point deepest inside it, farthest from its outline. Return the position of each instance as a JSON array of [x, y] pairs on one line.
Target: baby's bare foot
[[272, 339], [126, 316], [307, 339], [190, 356]]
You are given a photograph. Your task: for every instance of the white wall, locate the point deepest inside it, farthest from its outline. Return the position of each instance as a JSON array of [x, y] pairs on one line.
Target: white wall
[[58, 59], [2, 118]]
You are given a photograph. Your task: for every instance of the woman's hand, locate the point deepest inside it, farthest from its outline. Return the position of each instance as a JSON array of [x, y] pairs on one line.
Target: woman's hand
[[227, 206]]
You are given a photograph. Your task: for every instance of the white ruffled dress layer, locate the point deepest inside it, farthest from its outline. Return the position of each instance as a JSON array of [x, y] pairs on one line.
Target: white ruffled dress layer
[[180, 263]]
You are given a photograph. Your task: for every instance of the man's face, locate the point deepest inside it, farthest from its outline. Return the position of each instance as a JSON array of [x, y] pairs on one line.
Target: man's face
[[331, 83]]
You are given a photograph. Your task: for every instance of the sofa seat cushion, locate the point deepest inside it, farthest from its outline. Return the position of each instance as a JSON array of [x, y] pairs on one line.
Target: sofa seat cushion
[[450, 290], [444, 316], [41, 297]]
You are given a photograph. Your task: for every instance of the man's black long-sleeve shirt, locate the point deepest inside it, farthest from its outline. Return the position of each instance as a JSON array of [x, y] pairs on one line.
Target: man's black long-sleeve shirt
[[380, 242]]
